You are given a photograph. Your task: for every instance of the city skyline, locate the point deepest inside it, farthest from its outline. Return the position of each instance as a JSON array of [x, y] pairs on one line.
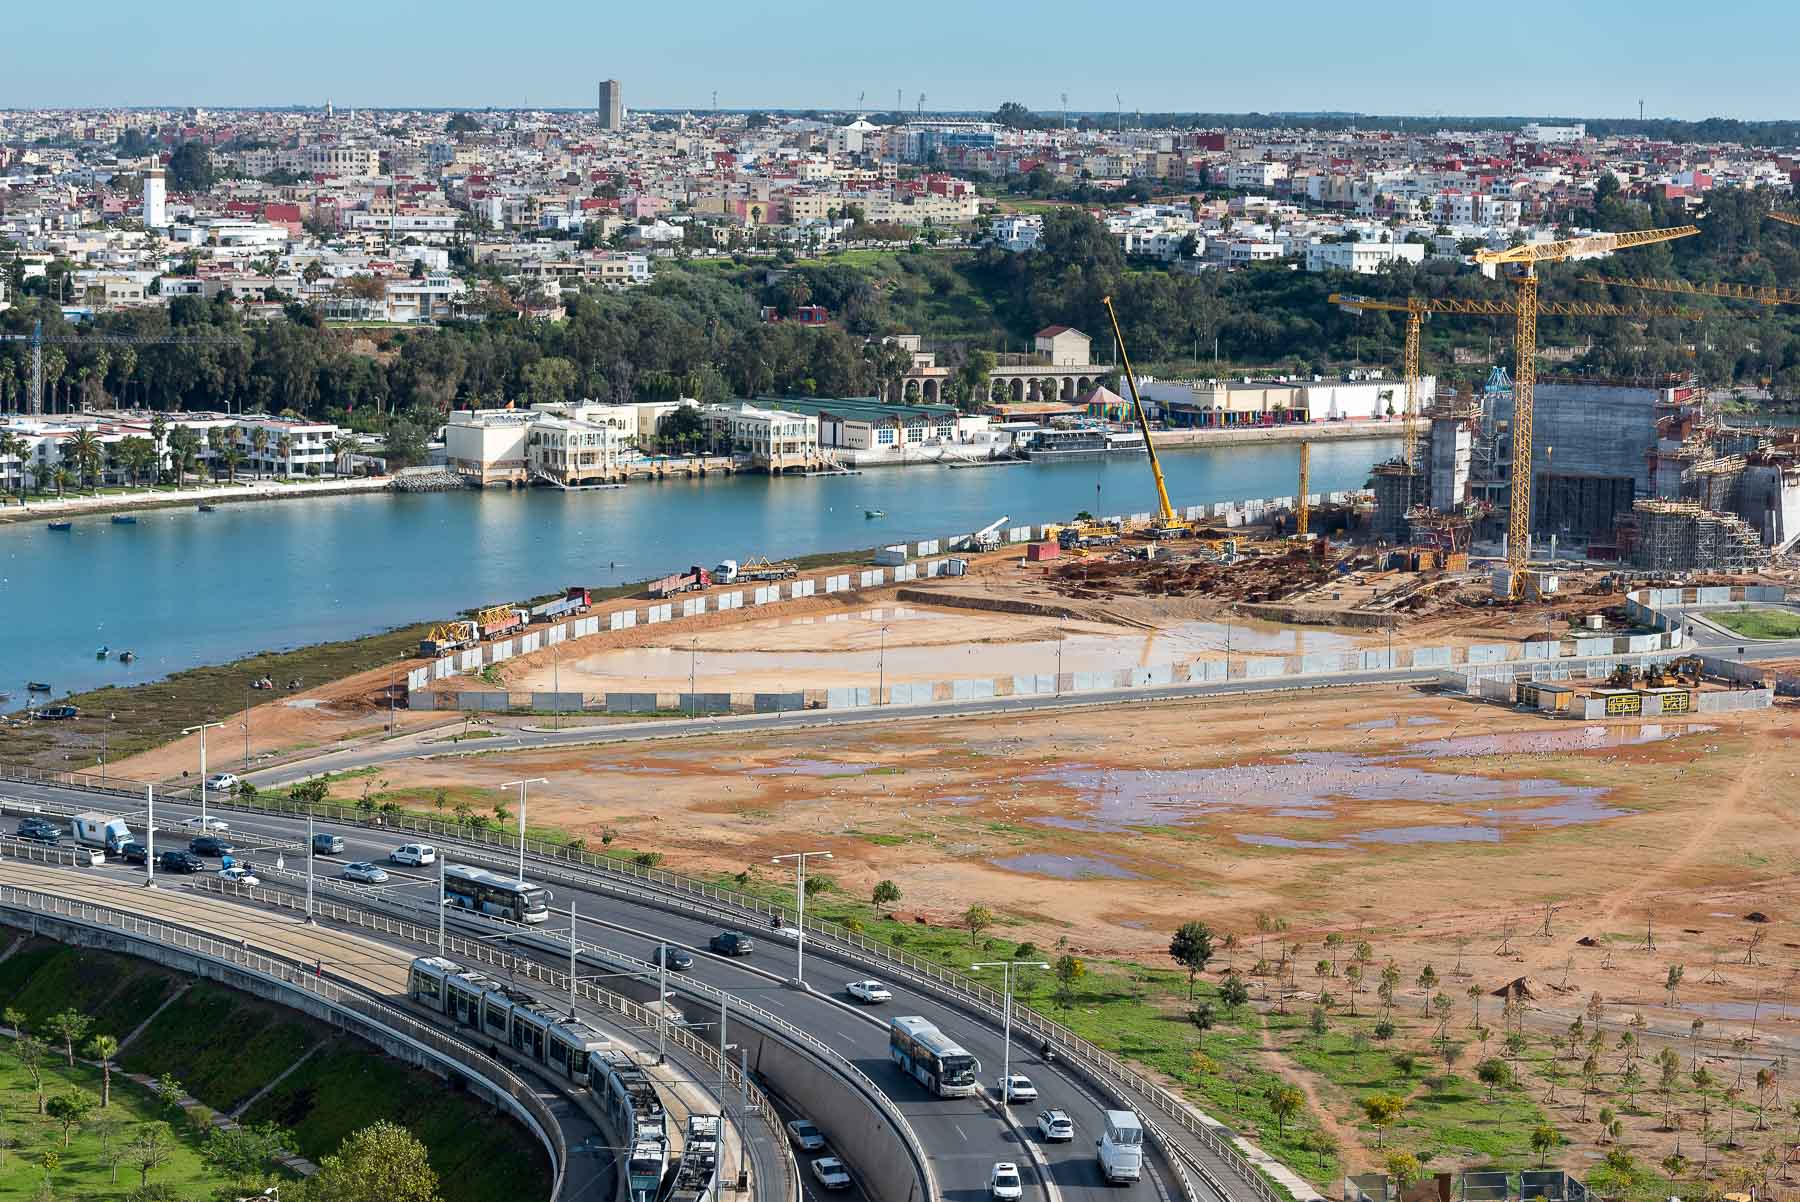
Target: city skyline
[[1598, 60]]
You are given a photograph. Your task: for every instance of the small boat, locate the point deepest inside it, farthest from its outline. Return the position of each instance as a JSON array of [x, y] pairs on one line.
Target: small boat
[[62, 525], [36, 686], [207, 507], [103, 653], [126, 657], [874, 513], [124, 519]]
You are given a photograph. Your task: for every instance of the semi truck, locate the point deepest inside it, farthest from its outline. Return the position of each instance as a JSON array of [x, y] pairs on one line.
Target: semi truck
[[573, 601], [694, 578], [102, 831], [498, 619], [760, 570], [448, 636]]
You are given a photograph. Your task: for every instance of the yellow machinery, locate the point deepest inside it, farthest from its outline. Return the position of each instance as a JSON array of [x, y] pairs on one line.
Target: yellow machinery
[[1300, 510], [1788, 218], [1416, 308], [1166, 524], [1762, 294], [1527, 257]]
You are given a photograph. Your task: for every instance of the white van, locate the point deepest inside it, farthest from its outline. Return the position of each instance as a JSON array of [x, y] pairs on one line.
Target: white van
[[415, 855], [1121, 1150]]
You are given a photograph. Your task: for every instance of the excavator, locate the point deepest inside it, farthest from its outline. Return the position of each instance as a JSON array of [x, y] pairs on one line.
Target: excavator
[[1166, 524]]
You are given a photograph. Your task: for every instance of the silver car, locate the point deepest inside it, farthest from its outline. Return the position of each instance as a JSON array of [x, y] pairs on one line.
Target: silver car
[[365, 873], [806, 1136]]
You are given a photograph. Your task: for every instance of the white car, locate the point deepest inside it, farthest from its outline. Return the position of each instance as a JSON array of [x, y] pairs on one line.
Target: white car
[[415, 855], [208, 823], [806, 1136], [871, 992], [1003, 1182], [239, 876], [221, 782], [1055, 1127], [1020, 1089], [365, 873], [830, 1173]]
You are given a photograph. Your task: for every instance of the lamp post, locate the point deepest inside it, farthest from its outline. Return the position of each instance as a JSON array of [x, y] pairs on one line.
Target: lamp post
[[149, 836], [881, 670], [1007, 966], [533, 780], [202, 728], [693, 675], [311, 851], [800, 858]]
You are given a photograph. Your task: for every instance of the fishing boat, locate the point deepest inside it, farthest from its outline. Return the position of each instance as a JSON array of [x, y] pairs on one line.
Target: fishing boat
[[103, 652], [36, 686], [874, 513], [124, 519], [62, 525], [207, 507], [126, 657]]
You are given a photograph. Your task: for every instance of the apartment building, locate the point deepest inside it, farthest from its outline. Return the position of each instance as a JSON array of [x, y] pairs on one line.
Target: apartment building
[[1363, 258], [292, 446], [776, 440], [359, 161], [570, 451]]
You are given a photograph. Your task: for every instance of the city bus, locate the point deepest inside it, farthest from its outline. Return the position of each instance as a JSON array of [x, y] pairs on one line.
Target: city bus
[[932, 1058], [488, 893]]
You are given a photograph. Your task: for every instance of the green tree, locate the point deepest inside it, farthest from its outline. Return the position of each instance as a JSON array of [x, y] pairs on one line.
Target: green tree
[[150, 1150], [1204, 1017], [1383, 1110], [1544, 1140], [1069, 971], [245, 1153], [31, 1052], [70, 1110], [885, 894], [1233, 992], [1405, 1169], [1494, 1073], [383, 1162], [103, 1048], [1192, 948], [70, 1026], [977, 918], [190, 168], [1285, 1101]]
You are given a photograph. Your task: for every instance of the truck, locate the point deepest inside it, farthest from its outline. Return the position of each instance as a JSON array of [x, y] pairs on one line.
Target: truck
[[102, 831], [447, 637], [758, 569], [696, 577], [1121, 1150], [498, 619], [574, 600]]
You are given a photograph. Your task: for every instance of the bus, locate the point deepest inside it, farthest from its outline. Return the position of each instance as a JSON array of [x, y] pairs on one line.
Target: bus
[[932, 1058], [489, 893]]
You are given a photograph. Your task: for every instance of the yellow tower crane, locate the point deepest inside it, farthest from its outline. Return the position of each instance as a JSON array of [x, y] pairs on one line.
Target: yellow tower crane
[[1527, 257], [1789, 218], [1762, 294], [1166, 524], [1300, 509]]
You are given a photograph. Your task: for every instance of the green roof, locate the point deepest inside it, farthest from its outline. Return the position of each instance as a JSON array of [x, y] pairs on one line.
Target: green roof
[[866, 407]]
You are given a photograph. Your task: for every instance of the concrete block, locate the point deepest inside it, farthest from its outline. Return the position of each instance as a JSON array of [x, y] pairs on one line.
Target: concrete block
[[417, 678], [1714, 596], [928, 547], [443, 667], [556, 634], [502, 650]]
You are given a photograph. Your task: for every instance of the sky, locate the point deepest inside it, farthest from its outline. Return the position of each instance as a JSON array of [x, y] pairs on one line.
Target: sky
[[1583, 58]]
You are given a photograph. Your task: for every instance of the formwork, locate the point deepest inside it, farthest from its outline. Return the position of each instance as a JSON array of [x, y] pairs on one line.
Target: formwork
[[1684, 536], [1395, 487]]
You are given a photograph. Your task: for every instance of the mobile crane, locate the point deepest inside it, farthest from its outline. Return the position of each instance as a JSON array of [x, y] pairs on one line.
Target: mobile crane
[[1165, 524]]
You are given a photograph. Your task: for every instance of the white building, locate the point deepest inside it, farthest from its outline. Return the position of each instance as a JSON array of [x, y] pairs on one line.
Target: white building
[[1363, 258], [775, 439], [568, 451], [1553, 134], [1015, 232], [292, 446], [155, 199], [487, 446]]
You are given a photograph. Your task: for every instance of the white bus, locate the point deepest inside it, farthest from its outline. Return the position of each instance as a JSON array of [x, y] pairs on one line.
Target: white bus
[[932, 1058], [488, 893]]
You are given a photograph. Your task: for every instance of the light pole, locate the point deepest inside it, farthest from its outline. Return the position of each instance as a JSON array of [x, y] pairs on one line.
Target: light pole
[[443, 900], [531, 780], [149, 836], [203, 728], [662, 1002], [800, 858], [881, 670], [693, 674], [310, 853], [1007, 966]]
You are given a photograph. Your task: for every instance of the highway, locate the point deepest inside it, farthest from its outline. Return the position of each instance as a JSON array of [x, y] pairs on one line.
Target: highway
[[964, 1137]]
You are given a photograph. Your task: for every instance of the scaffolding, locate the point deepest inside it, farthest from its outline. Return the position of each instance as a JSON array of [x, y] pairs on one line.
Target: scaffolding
[[1684, 536], [1396, 486]]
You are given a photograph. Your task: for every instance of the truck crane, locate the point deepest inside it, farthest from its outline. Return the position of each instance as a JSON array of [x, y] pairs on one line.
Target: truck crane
[[1165, 524]]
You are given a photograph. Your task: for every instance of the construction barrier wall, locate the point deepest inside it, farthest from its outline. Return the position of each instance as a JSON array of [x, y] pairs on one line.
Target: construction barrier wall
[[557, 703], [489, 703], [777, 703], [631, 703], [703, 703], [765, 594], [417, 679]]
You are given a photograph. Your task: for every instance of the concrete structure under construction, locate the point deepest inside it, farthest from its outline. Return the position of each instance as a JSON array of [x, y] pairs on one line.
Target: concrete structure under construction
[[1683, 536]]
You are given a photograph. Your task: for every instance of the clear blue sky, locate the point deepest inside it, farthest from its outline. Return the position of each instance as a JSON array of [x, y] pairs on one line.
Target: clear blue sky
[[1579, 57]]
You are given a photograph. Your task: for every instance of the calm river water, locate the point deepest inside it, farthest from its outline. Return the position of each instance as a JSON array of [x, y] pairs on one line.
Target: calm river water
[[183, 588]]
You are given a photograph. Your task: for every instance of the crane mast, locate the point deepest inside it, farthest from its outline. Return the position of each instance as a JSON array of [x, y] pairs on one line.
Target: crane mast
[[1167, 523]]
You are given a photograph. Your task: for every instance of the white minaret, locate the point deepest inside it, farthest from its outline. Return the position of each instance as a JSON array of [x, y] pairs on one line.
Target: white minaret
[[155, 194]]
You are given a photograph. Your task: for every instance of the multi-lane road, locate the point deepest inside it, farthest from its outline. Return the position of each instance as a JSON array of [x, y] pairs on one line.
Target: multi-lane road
[[963, 1137]]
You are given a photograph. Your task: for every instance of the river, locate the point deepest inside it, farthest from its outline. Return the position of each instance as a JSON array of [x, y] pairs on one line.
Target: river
[[183, 588]]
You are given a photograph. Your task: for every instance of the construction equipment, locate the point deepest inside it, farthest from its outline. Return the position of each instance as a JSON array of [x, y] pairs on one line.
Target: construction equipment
[[37, 340], [1166, 524], [985, 539], [498, 619], [1786, 218], [1300, 513], [1527, 256], [756, 568], [695, 577], [574, 600], [445, 637], [1762, 294]]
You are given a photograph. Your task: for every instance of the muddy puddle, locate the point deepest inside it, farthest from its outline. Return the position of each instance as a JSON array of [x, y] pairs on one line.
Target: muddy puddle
[[1581, 738], [1067, 868], [806, 767]]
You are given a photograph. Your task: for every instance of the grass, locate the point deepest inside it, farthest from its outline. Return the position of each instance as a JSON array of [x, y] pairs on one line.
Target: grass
[[81, 1170], [1760, 623], [222, 1045]]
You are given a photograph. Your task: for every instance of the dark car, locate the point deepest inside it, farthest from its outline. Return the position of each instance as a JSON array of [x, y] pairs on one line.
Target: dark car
[[134, 853], [180, 861], [39, 830], [733, 943], [211, 845], [678, 959]]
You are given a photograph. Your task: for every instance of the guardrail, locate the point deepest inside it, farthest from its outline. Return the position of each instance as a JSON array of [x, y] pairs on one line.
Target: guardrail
[[733, 906], [46, 853], [496, 1077]]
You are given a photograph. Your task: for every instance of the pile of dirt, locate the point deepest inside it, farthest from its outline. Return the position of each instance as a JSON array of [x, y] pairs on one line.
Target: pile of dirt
[[1258, 578]]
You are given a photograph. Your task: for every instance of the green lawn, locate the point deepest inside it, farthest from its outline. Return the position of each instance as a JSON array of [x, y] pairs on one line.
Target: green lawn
[[82, 1170], [1760, 623]]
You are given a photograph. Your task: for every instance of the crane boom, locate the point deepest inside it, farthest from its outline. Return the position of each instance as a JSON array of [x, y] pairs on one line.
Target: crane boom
[[1488, 308], [1587, 244], [1167, 512], [1762, 294], [1786, 218]]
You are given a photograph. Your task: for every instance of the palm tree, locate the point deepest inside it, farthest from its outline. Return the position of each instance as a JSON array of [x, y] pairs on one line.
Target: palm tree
[[159, 432], [62, 477], [215, 443], [341, 448], [83, 448], [103, 1048], [259, 443], [284, 450], [40, 475], [232, 457], [13, 447]]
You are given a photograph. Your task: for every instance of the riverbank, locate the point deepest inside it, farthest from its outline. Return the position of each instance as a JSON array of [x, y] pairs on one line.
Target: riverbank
[[56, 509]]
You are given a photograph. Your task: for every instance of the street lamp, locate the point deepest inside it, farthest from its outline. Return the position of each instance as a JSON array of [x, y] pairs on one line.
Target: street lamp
[[800, 858], [202, 728], [693, 675], [1007, 966], [881, 670], [533, 780]]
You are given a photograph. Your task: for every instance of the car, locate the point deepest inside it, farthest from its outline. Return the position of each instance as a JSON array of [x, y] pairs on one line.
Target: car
[[180, 861], [239, 875], [211, 845], [39, 830], [208, 823], [806, 1135], [134, 853], [1055, 1127], [1003, 1182], [678, 959], [365, 873], [830, 1173], [221, 782], [327, 845], [1020, 1089], [414, 855], [732, 943], [870, 992]]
